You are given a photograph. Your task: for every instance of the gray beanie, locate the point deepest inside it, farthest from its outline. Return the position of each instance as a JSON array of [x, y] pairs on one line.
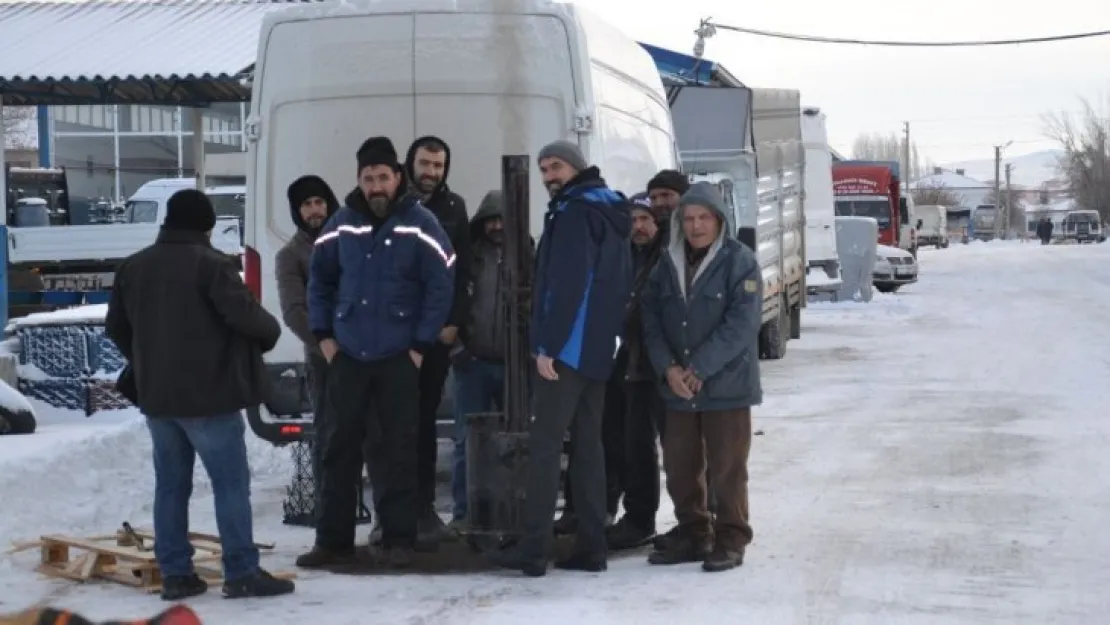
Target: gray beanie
[[565, 151], [703, 194]]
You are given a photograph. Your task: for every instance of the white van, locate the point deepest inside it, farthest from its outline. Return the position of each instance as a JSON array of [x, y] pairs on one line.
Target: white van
[[932, 225], [491, 77], [822, 260], [148, 204]]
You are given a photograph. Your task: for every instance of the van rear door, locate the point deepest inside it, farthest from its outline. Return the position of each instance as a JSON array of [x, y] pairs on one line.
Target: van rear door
[[327, 85], [491, 84]]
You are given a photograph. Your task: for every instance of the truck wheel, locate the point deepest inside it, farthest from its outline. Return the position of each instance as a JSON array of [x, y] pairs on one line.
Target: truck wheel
[[795, 322], [17, 421], [774, 334]]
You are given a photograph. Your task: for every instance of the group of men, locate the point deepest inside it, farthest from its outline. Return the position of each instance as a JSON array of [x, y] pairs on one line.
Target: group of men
[[651, 301], [395, 287]]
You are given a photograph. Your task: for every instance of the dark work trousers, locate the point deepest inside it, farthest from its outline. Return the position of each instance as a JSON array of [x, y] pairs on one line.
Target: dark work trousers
[[642, 424], [572, 402], [433, 374], [613, 441], [318, 380], [376, 403]]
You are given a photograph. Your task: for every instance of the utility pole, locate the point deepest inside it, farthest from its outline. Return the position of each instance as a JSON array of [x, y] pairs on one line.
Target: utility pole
[[997, 191], [906, 172], [1009, 200]]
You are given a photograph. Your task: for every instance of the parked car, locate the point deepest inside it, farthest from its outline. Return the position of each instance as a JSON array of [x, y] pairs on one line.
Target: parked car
[[894, 268]]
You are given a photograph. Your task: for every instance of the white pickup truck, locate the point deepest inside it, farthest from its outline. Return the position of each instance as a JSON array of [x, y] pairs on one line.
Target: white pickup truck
[[99, 248]]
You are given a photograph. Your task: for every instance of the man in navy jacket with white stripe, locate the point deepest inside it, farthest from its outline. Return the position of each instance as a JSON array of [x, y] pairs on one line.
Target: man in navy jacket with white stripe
[[380, 289]]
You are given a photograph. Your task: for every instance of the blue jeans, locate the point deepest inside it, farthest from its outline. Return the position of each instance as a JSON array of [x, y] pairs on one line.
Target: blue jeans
[[219, 442], [479, 387]]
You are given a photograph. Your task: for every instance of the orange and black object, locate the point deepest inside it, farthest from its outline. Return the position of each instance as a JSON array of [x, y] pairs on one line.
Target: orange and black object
[[177, 615]]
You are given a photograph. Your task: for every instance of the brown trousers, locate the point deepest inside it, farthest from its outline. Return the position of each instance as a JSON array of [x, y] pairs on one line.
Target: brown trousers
[[713, 444]]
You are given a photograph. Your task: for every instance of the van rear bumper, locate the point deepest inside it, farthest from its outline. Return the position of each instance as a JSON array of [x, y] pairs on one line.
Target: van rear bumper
[[286, 416]]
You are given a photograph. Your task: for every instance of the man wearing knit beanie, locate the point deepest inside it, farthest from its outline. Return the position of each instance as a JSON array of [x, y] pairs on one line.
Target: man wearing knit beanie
[[380, 290], [665, 189], [193, 337], [190, 210], [565, 161], [583, 275]]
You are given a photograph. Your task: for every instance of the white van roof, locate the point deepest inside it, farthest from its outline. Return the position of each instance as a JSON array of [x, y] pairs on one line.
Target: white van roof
[[604, 39]]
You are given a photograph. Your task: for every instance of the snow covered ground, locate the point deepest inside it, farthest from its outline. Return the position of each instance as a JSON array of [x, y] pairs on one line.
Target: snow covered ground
[[935, 457]]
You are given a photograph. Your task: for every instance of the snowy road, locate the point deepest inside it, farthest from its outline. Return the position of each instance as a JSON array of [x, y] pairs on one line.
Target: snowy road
[[935, 457]]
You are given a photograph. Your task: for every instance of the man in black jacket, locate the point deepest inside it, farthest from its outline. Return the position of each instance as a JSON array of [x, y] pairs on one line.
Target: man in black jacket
[[193, 336], [427, 164], [643, 419]]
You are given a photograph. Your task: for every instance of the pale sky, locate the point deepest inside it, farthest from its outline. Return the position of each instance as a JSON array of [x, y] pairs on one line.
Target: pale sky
[[960, 101]]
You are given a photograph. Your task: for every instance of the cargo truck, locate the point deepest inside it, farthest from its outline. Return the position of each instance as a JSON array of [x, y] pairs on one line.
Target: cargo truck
[[872, 189]]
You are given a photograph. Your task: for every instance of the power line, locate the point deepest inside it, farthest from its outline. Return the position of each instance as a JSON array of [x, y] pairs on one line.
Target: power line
[[906, 44]]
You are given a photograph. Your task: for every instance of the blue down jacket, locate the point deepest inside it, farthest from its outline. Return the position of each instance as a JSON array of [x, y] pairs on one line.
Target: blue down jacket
[[380, 290], [583, 276]]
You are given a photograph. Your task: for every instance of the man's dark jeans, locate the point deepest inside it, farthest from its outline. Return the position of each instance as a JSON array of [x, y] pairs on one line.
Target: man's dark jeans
[[218, 440], [479, 387]]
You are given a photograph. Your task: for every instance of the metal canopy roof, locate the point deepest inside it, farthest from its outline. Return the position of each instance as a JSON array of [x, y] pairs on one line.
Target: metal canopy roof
[[174, 52], [680, 68]]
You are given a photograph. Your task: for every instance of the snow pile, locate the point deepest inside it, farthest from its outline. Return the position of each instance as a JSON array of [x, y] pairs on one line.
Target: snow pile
[[87, 480], [13, 400], [92, 314]]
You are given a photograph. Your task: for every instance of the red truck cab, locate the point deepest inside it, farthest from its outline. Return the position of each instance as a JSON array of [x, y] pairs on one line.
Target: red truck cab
[[870, 189]]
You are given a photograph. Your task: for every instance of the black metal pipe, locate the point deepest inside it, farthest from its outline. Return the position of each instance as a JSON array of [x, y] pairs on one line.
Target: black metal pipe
[[517, 268]]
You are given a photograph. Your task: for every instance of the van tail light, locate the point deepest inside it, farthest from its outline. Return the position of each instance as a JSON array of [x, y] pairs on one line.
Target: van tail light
[[252, 272]]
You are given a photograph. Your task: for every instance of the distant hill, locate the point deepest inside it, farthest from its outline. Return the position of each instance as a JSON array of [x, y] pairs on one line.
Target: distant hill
[[1030, 170]]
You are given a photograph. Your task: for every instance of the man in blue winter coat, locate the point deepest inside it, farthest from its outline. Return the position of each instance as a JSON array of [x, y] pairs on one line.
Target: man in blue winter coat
[[583, 277], [380, 289]]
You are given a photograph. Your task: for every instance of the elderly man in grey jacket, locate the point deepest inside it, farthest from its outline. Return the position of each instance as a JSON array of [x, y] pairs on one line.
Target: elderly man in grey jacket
[[701, 312]]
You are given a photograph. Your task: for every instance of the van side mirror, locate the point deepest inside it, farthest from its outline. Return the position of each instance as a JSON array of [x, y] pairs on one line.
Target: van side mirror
[[920, 222]]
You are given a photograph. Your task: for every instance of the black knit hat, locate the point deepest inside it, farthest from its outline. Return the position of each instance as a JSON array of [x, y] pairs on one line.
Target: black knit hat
[[191, 210], [669, 179], [377, 151]]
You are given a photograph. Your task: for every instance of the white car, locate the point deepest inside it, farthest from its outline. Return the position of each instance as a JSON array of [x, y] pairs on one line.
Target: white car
[[894, 268]]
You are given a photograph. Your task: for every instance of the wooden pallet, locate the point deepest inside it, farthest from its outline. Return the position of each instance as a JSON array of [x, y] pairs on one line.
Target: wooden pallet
[[128, 562]]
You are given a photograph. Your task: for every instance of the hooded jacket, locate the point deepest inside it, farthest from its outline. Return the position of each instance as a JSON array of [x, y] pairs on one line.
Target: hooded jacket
[[644, 259], [583, 276], [381, 285], [292, 260], [483, 329], [450, 209], [712, 325]]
